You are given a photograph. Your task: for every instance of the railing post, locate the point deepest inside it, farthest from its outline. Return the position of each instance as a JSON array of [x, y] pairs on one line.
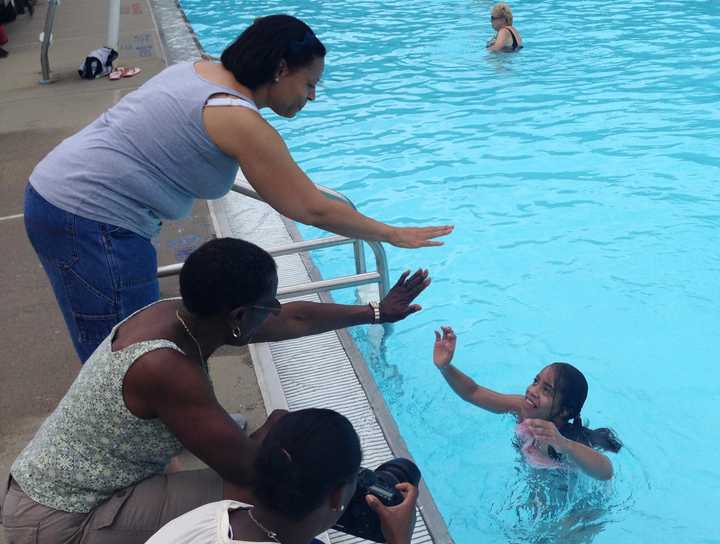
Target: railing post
[[382, 268], [359, 250], [113, 24], [47, 36]]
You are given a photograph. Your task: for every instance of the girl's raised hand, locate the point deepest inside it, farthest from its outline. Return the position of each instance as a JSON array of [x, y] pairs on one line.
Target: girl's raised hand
[[444, 348]]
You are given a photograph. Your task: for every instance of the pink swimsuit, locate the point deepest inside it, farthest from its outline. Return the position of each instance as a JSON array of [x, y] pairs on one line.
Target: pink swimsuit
[[535, 457]]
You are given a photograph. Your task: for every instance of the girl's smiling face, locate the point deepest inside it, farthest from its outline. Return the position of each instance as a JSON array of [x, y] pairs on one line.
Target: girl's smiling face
[[540, 396]]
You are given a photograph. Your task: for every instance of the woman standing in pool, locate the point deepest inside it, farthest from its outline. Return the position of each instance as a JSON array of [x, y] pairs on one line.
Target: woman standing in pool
[[550, 430], [507, 39], [94, 203]]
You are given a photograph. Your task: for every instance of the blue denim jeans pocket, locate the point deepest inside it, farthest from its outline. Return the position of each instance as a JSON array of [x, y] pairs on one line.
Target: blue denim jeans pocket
[[50, 229], [100, 273]]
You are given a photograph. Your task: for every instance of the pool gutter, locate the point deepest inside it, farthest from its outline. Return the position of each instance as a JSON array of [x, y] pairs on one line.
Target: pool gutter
[[431, 514], [324, 370]]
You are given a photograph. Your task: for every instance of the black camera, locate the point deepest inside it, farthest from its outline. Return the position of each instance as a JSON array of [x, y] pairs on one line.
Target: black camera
[[359, 519]]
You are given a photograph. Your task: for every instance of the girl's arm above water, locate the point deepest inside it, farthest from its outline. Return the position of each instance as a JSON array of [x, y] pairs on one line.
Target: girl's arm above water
[[463, 385], [592, 462]]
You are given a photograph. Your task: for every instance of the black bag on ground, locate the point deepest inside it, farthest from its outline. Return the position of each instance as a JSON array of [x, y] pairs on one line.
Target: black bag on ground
[[98, 63]]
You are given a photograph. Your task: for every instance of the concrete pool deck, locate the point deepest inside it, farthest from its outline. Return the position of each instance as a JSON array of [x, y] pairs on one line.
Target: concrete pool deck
[[38, 360], [35, 118]]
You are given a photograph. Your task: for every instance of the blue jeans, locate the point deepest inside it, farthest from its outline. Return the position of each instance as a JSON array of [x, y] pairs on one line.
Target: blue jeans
[[100, 273]]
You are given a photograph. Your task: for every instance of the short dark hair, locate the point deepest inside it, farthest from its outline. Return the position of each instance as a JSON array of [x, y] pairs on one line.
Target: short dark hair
[[306, 455], [254, 57], [225, 273]]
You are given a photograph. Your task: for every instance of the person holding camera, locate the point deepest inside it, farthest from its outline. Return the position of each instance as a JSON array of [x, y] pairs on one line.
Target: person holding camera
[[95, 470], [94, 203], [307, 477]]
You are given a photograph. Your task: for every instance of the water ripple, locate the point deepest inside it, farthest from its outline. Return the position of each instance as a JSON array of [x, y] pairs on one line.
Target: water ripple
[[583, 176]]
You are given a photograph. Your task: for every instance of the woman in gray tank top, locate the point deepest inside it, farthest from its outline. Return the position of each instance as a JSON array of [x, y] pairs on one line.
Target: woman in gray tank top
[[93, 204]]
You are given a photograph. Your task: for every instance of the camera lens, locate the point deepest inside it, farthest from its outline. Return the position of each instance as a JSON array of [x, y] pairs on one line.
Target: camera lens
[[402, 470]]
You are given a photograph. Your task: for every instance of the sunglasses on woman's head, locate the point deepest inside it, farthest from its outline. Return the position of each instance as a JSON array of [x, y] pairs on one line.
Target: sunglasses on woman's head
[[308, 39]]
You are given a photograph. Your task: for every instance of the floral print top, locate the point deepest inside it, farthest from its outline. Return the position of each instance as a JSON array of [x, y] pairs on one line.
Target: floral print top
[[92, 446]]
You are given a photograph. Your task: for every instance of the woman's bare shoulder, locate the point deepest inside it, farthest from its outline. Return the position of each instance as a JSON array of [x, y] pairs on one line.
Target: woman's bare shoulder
[[151, 323], [213, 72]]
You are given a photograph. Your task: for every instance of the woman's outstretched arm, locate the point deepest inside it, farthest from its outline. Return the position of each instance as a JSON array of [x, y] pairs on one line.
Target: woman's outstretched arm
[[268, 166], [302, 318]]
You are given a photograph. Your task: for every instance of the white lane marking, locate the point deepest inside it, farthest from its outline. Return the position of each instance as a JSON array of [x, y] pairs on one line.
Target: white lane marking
[[8, 217]]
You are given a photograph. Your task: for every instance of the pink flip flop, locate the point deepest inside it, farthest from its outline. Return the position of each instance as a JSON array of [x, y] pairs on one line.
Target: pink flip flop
[[117, 73], [123, 71], [130, 72]]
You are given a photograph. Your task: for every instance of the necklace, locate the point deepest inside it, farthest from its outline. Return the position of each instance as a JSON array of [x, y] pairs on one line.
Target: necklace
[[260, 526], [187, 330]]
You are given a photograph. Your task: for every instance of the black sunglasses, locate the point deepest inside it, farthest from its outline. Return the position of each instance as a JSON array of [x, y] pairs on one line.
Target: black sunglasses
[[273, 306]]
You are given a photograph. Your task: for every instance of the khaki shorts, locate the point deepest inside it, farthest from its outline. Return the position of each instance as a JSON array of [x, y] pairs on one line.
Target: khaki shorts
[[132, 515]]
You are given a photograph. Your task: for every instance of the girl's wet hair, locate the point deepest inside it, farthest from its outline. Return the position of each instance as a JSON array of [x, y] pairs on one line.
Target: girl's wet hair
[[571, 389], [254, 57], [306, 455]]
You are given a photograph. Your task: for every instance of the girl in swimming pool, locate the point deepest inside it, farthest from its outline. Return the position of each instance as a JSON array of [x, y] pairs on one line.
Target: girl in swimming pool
[[550, 432]]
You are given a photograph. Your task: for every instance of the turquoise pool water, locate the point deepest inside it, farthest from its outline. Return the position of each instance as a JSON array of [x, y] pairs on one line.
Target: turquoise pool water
[[583, 177]]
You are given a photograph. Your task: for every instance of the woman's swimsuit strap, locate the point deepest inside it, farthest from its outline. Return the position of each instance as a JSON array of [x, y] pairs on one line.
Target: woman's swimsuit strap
[[514, 38]]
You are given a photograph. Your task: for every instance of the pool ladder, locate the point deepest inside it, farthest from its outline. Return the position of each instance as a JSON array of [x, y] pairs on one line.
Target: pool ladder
[[361, 276]]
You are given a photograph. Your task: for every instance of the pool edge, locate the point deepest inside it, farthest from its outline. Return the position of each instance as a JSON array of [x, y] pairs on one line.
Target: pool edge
[[434, 520]]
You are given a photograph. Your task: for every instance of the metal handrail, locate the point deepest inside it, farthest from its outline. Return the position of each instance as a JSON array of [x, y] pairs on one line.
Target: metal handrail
[[328, 285], [361, 277], [247, 190]]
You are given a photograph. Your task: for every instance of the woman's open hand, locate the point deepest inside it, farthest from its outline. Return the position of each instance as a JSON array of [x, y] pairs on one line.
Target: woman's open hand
[[414, 237], [444, 348], [397, 304]]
